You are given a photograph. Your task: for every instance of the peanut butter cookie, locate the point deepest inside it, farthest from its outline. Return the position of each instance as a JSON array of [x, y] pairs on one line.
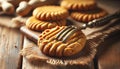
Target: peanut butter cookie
[[78, 4], [50, 46], [38, 25], [50, 13], [86, 16]]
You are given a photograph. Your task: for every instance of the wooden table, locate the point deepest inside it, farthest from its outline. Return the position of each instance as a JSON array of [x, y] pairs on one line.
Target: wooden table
[[12, 41]]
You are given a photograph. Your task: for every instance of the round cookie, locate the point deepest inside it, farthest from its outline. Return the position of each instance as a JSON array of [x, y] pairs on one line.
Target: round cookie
[[78, 4], [50, 46], [86, 16], [50, 13], [38, 25]]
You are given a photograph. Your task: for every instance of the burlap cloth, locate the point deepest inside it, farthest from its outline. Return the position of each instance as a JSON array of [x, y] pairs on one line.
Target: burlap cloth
[[94, 37]]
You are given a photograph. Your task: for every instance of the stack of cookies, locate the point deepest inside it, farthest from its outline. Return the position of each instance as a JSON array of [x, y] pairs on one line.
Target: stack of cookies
[[46, 17], [83, 10], [52, 19]]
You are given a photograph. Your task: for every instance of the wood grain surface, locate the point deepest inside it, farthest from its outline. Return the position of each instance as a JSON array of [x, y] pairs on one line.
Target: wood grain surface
[[109, 53], [10, 45]]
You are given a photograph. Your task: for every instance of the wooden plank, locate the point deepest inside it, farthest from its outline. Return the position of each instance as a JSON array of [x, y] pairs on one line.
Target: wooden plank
[[10, 45], [28, 65], [109, 51], [109, 54]]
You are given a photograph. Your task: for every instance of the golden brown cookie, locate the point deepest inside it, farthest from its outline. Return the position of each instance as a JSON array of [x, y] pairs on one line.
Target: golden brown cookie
[[38, 25], [86, 16], [50, 13], [78, 4], [49, 45]]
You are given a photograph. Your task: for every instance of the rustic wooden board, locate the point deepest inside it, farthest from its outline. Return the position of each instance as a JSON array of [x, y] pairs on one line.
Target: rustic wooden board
[[110, 57], [10, 45]]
